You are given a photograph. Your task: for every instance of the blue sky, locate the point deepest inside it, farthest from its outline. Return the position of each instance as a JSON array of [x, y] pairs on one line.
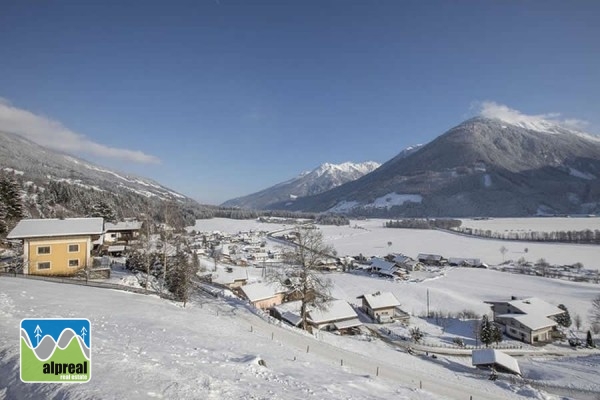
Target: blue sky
[[222, 98]]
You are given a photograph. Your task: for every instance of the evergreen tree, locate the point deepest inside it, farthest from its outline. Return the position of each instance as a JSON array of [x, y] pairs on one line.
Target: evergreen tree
[[102, 209], [589, 340], [180, 277], [3, 217], [486, 332], [564, 319], [496, 333], [10, 196]]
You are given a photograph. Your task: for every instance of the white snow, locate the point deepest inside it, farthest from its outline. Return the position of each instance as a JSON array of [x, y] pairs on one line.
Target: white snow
[[370, 238], [487, 180], [579, 174]]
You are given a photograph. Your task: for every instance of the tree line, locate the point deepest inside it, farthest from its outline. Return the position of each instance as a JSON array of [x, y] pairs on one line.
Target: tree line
[[586, 236], [418, 223]]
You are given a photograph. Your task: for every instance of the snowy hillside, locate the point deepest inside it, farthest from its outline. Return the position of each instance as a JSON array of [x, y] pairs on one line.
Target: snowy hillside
[[145, 347]]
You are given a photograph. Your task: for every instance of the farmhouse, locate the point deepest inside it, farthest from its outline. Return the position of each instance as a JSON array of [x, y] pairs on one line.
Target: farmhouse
[[529, 320], [380, 306], [264, 295], [338, 315], [431, 259], [57, 246], [385, 268], [464, 262], [491, 358]]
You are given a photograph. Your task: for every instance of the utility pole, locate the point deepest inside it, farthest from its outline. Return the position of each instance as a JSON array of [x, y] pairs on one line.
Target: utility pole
[[428, 303]]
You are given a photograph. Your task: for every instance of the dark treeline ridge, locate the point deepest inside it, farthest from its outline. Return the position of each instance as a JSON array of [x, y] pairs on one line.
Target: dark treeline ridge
[[584, 237], [418, 223]]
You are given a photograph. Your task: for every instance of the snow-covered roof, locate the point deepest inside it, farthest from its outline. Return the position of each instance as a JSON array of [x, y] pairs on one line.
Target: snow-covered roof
[[429, 257], [492, 356], [531, 321], [383, 267], [401, 258], [262, 290], [113, 249], [349, 323], [381, 300], [533, 305], [123, 226], [336, 310], [225, 278], [460, 260], [32, 228]]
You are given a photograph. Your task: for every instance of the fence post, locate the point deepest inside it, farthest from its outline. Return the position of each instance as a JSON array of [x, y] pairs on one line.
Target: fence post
[[420, 384], [342, 362], [307, 347], [377, 373], [272, 335]]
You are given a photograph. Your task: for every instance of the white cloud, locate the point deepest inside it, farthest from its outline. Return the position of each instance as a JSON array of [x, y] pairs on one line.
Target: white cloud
[[53, 134], [491, 109]]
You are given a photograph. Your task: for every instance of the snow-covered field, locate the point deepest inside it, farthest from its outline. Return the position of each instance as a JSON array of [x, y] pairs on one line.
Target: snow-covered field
[[371, 238]]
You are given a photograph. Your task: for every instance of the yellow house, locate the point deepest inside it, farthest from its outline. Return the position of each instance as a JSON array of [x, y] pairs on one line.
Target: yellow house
[[57, 246]]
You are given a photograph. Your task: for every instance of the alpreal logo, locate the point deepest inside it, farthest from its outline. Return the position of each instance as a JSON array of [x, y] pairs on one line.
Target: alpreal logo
[[56, 350]]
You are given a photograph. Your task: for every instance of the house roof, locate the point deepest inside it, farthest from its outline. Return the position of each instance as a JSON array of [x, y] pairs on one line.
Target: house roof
[[492, 356], [383, 267], [401, 258], [225, 278], [380, 300], [469, 261], [349, 323], [533, 305], [337, 310], [262, 290], [33, 228], [123, 226], [531, 321], [429, 257]]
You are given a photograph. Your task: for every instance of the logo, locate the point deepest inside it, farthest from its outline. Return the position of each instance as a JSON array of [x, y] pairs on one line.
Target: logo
[[56, 350]]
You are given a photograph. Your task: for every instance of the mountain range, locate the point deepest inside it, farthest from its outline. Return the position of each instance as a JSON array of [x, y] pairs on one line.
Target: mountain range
[[481, 167], [323, 178]]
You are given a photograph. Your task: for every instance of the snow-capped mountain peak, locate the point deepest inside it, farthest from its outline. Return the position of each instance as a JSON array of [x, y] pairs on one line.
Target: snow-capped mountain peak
[[326, 176]]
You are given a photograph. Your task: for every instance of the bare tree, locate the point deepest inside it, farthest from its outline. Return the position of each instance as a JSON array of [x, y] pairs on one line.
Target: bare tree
[[595, 310], [577, 321], [503, 251], [301, 274]]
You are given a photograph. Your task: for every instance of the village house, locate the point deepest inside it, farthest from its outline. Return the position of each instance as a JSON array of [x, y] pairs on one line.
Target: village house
[[432, 259], [530, 320], [381, 307], [58, 246], [338, 315], [465, 262], [385, 268], [264, 295], [231, 277], [124, 231]]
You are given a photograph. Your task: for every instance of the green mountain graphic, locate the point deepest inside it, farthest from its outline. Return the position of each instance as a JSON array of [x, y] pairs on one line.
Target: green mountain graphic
[[32, 368]]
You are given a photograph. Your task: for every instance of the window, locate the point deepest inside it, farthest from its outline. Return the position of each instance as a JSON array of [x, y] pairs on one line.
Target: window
[[73, 248], [43, 250], [74, 263], [43, 265]]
